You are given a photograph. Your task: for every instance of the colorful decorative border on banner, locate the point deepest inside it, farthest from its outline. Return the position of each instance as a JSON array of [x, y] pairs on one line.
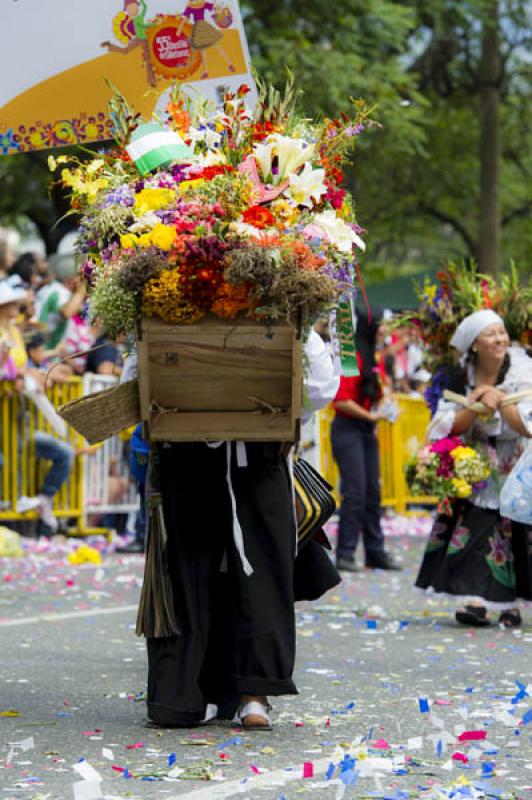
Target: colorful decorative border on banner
[[64, 132]]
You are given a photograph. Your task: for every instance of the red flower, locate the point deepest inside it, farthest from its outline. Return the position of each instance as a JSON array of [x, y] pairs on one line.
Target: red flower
[[261, 130], [208, 173], [335, 197], [258, 216]]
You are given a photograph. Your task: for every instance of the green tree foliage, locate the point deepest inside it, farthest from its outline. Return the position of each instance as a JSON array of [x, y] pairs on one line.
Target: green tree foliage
[[27, 194], [417, 178]]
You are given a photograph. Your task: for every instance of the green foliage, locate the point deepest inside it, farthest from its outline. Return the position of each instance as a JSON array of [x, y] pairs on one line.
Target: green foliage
[[416, 178]]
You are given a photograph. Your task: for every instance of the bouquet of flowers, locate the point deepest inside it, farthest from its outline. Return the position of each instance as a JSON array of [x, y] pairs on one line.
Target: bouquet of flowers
[[448, 469], [460, 290], [246, 213]]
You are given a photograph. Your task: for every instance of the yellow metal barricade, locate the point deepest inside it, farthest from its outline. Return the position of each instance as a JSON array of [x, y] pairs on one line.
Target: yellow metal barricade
[[22, 472], [398, 441]]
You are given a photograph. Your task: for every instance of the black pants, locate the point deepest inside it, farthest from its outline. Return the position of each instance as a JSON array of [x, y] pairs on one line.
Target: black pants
[[356, 451], [237, 632]]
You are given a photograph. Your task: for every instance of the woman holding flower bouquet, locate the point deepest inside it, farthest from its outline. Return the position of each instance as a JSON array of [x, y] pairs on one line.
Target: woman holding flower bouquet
[[473, 553]]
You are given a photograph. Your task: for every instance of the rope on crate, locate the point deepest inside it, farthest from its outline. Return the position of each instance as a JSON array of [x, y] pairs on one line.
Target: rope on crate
[[273, 410], [156, 409]]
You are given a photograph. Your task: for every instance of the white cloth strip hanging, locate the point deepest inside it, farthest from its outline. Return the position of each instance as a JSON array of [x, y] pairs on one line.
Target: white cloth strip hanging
[[238, 536]]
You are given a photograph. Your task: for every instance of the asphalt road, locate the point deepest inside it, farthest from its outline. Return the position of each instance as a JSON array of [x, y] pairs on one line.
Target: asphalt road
[[72, 677]]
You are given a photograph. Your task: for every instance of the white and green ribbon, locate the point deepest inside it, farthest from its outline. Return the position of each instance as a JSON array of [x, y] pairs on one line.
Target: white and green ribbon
[[153, 146]]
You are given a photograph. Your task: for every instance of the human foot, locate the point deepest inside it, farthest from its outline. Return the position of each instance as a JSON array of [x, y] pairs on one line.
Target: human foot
[[253, 713]]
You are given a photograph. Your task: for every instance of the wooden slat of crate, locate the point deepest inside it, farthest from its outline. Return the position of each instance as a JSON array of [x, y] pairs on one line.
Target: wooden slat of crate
[[216, 380]]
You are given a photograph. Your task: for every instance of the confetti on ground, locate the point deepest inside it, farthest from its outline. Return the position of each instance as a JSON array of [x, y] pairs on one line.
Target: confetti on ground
[[396, 702]]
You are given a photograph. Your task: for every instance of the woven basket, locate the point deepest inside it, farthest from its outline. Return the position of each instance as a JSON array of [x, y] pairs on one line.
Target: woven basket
[[100, 415]]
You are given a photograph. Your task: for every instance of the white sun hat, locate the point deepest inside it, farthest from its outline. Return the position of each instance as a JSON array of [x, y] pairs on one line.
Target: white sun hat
[[10, 293]]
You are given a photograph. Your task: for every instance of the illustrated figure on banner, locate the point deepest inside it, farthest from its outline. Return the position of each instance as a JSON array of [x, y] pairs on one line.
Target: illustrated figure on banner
[[174, 45]]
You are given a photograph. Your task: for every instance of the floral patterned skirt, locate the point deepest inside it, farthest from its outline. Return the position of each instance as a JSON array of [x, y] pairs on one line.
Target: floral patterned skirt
[[476, 554]]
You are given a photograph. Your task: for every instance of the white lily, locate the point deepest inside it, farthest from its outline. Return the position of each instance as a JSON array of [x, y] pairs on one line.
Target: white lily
[[338, 232], [291, 154], [206, 135], [263, 155], [307, 186], [145, 223], [245, 229], [210, 158]]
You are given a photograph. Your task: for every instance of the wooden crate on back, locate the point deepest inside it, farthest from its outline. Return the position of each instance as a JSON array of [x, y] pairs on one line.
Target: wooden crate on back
[[220, 380]]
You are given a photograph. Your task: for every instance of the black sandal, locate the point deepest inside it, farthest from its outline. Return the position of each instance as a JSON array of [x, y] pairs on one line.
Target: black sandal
[[511, 618], [476, 616]]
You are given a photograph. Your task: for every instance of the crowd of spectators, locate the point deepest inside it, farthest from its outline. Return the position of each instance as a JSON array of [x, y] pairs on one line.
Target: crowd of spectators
[[43, 324], [400, 359]]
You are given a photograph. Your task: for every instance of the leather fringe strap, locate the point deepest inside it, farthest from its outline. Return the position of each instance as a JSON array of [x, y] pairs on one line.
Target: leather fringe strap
[[156, 617]]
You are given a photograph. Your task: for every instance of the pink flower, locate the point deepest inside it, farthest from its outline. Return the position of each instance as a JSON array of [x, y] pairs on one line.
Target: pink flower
[[445, 469], [446, 445], [501, 550], [314, 232]]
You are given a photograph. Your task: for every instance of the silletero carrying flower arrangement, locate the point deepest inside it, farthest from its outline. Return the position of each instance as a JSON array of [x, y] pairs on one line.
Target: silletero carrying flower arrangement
[[449, 470], [218, 212]]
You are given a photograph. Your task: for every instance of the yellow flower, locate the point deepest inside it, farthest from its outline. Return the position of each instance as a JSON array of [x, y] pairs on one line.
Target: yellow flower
[[163, 236], [344, 212], [53, 163], [184, 186], [128, 241], [68, 178], [93, 188], [429, 290], [461, 487], [152, 200], [84, 555], [145, 240], [463, 453], [285, 211]]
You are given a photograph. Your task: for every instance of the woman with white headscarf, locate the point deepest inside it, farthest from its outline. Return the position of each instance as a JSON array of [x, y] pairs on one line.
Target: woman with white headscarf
[[475, 555]]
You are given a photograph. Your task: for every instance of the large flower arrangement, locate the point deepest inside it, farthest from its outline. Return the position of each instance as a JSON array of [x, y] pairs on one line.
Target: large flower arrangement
[[459, 291], [254, 220], [448, 469]]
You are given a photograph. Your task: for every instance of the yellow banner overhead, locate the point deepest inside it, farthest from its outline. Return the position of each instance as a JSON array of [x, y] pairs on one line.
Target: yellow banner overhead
[[57, 56]]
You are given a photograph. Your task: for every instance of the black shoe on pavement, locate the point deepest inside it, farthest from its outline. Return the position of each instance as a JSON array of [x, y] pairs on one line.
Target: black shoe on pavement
[[383, 562], [130, 549], [510, 618], [474, 616], [346, 565]]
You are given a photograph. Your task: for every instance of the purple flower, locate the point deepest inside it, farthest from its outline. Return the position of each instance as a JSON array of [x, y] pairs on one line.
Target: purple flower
[[88, 268], [354, 130], [166, 217], [179, 172], [121, 196], [108, 251], [434, 391]]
